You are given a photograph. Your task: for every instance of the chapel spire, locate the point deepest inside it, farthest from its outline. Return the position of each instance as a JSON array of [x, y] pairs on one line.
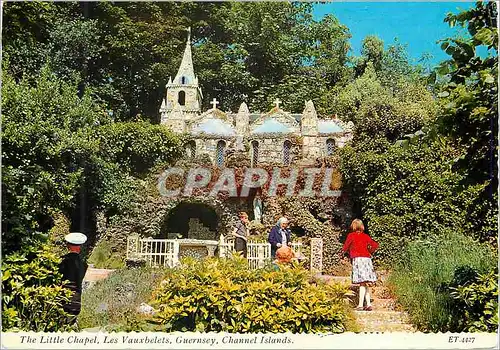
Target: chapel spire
[[183, 93], [185, 75]]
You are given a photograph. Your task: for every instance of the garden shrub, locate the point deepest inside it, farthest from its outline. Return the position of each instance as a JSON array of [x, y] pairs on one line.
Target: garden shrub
[[138, 146], [226, 296], [113, 302], [103, 256], [408, 193], [32, 292], [475, 300], [422, 278], [62, 227]]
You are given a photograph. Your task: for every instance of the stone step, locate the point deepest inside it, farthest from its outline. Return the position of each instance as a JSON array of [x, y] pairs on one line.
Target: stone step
[[375, 293], [385, 304], [386, 327], [93, 274], [380, 304], [333, 279], [381, 316], [381, 292]]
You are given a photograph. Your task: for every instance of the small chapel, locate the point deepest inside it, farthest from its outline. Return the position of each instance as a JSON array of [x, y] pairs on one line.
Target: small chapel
[[266, 136]]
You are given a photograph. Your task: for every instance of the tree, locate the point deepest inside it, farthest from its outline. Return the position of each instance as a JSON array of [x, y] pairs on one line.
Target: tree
[[378, 111], [125, 52], [40, 155], [58, 147], [372, 50], [469, 99], [407, 193]]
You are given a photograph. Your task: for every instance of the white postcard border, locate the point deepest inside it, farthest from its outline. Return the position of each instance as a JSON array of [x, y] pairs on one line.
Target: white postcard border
[[289, 341]]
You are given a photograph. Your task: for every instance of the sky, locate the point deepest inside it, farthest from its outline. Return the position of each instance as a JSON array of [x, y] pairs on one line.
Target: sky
[[419, 25]]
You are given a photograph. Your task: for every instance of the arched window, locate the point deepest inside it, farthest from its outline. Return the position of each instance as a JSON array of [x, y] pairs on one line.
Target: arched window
[[191, 149], [255, 153], [221, 147], [287, 146], [182, 98], [184, 80], [330, 146]]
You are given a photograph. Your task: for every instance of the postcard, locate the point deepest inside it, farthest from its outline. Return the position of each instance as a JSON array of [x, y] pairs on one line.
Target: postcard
[[235, 175]]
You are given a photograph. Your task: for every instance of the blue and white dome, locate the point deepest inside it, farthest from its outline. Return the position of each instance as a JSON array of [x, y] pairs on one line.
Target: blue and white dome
[[214, 126], [272, 126], [328, 127]]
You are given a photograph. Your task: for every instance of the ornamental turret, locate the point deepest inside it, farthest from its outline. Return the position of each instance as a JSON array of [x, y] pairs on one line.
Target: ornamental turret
[[183, 91]]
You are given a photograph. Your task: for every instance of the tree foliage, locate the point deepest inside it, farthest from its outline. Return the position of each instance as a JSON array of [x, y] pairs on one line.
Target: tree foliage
[[57, 145], [440, 176], [470, 96], [408, 193], [379, 112], [46, 131], [125, 52], [470, 108]]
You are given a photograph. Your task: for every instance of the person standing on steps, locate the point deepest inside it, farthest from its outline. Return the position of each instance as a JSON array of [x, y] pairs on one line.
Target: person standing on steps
[[360, 247], [279, 236], [73, 271], [240, 233]]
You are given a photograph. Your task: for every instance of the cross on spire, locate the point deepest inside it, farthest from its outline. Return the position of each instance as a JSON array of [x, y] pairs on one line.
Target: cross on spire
[[214, 103], [277, 102], [189, 34]]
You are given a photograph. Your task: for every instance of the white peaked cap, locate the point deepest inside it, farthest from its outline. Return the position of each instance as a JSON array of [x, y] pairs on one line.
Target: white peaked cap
[[76, 238]]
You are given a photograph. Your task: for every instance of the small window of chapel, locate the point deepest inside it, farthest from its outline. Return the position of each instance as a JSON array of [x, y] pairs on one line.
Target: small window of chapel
[[255, 153], [221, 148], [287, 146], [182, 98], [330, 146]]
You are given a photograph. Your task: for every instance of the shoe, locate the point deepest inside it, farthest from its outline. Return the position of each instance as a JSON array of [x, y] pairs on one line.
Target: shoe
[[359, 308], [367, 308]]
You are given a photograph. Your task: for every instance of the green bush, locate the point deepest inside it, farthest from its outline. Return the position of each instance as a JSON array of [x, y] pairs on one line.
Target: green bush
[[138, 146], [103, 257], [407, 193], [225, 296], [475, 300], [32, 292], [113, 302], [421, 279]]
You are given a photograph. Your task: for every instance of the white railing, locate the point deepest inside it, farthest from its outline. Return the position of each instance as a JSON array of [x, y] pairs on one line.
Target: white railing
[[156, 252], [226, 248], [166, 252], [296, 247], [258, 254]]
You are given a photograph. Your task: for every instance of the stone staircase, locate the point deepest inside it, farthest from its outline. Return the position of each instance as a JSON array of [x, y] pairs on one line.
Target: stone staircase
[[93, 275], [386, 316]]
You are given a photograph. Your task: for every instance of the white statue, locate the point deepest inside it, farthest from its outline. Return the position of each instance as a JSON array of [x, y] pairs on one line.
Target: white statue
[[257, 208]]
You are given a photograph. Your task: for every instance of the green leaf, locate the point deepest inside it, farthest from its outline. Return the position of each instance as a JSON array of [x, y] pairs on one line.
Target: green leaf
[[489, 79], [5, 275]]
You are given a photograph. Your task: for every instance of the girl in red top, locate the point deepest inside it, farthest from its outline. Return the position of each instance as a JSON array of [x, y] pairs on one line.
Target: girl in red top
[[360, 247]]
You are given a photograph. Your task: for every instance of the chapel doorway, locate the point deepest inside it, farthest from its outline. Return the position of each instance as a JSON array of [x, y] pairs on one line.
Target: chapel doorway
[[191, 220]]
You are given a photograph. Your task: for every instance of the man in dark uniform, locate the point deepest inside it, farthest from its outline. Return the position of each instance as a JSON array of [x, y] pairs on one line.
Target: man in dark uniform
[[73, 270]]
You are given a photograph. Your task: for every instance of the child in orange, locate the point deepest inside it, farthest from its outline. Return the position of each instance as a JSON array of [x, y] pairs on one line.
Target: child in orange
[[360, 247], [284, 256]]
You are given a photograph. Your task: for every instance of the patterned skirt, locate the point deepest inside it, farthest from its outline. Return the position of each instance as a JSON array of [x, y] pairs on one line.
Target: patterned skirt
[[362, 270]]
